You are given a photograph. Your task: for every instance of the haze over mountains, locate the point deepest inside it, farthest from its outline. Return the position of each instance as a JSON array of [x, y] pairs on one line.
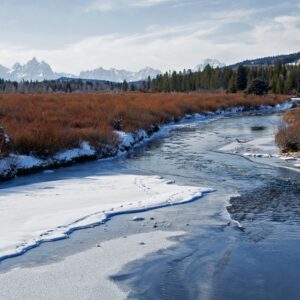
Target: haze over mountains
[[39, 71], [116, 75], [32, 70]]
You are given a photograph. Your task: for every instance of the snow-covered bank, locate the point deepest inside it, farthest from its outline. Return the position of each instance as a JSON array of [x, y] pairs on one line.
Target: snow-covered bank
[[263, 150], [21, 164], [84, 275], [49, 211]]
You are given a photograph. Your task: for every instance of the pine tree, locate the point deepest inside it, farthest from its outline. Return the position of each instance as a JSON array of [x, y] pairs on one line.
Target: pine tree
[[232, 84], [241, 79], [259, 86], [288, 84], [125, 86], [148, 83]]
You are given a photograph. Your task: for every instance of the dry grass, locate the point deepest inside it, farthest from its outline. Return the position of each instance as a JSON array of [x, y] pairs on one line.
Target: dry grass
[[288, 135], [47, 123]]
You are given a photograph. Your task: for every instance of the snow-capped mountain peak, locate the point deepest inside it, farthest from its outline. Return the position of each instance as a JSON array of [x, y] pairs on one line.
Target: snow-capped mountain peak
[[32, 70], [214, 63], [119, 75], [39, 71]]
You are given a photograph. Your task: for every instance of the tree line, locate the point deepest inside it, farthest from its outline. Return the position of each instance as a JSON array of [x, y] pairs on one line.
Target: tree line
[[279, 79], [65, 86]]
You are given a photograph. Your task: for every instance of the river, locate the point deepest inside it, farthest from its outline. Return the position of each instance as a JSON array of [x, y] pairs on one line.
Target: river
[[248, 251]]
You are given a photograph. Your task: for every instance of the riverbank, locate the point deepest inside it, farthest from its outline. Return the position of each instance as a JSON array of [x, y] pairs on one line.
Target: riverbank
[[288, 136], [121, 141]]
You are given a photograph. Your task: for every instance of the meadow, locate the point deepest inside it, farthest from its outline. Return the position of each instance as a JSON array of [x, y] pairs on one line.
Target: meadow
[[44, 124]]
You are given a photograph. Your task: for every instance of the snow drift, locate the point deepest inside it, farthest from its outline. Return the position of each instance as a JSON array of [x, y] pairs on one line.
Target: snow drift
[[48, 211]]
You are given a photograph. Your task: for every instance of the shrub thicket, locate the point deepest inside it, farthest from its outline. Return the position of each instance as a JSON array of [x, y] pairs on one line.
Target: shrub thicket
[[288, 135], [43, 124]]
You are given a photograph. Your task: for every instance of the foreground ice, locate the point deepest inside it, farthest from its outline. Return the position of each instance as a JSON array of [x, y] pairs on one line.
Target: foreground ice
[[51, 210], [84, 275]]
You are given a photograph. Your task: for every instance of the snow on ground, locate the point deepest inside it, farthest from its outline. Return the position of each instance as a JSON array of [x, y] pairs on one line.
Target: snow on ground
[[26, 162], [50, 210], [261, 147], [84, 150], [90, 271], [264, 150]]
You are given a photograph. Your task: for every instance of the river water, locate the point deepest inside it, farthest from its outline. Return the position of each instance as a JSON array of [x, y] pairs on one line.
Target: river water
[[248, 251]]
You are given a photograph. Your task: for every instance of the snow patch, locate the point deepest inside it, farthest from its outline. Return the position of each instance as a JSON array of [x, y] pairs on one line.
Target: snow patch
[[48, 211], [84, 150], [287, 158]]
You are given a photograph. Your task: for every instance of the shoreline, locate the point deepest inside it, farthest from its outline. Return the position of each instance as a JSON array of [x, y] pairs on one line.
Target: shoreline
[[18, 165], [264, 151]]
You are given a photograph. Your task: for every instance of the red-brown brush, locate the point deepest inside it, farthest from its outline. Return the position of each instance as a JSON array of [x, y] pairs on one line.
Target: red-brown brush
[[43, 124]]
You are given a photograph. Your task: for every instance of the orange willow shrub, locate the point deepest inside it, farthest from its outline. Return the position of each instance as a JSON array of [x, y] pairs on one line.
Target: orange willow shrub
[[43, 124], [288, 135]]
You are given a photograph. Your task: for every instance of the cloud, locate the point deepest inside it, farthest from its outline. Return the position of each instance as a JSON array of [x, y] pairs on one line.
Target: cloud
[[112, 5], [172, 47]]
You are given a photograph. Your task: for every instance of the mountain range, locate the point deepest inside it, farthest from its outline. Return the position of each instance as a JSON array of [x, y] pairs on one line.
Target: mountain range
[[116, 75], [39, 71]]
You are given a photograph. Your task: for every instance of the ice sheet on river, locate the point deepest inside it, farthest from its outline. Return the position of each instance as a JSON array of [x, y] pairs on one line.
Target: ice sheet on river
[[51, 210], [84, 275]]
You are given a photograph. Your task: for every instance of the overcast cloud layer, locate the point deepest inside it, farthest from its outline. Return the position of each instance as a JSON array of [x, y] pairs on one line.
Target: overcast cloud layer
[[75, 35]]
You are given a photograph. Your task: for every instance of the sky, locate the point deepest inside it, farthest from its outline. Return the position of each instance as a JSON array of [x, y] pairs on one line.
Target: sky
[[76, 35]]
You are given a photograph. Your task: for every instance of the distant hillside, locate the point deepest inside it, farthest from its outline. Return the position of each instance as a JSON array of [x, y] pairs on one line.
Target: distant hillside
[[293, 58]]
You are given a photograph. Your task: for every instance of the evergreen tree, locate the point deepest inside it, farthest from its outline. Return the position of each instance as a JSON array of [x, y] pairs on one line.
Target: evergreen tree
[[148, 83], [241, 78], [259, 86], [132, 88], [125, 86], [288, 84], [232, 85]]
